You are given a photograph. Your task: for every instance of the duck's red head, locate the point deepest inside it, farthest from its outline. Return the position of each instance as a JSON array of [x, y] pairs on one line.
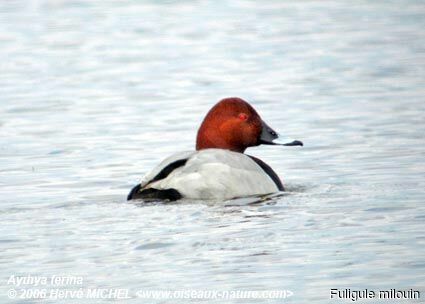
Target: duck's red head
[[233, 124]]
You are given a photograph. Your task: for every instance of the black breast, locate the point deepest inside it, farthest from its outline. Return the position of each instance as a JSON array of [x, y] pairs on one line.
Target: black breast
[[269, 171]]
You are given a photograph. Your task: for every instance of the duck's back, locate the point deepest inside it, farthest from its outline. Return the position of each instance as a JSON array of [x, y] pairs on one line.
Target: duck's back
[[208, 174]]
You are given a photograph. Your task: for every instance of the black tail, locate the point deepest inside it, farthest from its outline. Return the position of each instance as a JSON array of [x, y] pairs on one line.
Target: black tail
[[153, 194], [133, 193]]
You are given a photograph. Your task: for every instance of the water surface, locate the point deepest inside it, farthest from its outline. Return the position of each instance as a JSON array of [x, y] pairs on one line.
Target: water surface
[[94, 94]]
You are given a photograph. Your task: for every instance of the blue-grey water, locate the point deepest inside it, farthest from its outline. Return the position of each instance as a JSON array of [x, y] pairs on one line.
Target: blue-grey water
[[94, 94]]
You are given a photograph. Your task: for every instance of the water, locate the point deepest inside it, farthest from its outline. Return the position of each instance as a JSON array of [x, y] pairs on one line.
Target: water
[[94, 94]]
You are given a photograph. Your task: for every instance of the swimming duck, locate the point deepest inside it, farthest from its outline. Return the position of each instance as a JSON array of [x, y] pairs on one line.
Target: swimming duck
[[218, 169]]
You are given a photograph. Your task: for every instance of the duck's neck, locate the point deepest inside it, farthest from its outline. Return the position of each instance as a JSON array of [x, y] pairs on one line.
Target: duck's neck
[[210, 140]]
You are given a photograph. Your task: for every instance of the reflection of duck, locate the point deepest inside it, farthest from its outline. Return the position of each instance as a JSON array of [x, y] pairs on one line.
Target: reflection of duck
[[218, 169]]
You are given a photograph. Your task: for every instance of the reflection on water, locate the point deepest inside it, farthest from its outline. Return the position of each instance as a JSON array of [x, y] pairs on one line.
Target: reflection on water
[[94, 94]]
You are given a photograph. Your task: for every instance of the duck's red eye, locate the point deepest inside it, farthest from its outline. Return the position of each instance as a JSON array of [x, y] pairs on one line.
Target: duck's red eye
[[243, 116]]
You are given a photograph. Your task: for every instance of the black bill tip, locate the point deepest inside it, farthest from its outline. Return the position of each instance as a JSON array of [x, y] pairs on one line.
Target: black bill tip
[[294, 143]]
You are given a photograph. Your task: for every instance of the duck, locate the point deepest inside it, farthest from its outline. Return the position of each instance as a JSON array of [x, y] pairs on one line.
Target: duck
[[218, 169]]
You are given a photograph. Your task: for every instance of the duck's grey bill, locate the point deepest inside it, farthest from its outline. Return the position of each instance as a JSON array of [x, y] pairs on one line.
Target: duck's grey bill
[[270, 137]]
